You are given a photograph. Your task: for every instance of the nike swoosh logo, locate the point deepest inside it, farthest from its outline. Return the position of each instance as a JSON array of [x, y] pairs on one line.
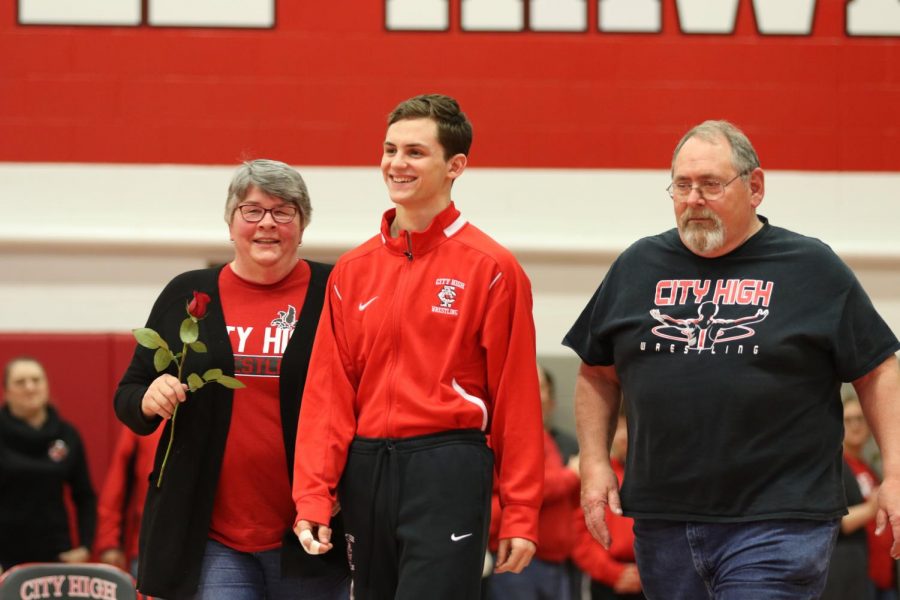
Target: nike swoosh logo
[[364, 305], [456, 538]]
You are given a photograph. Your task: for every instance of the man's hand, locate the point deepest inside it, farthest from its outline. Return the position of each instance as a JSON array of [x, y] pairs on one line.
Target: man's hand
[[599, 489], [514, 554], [878, 391], [314, 537], [888, 516], [597, 398]]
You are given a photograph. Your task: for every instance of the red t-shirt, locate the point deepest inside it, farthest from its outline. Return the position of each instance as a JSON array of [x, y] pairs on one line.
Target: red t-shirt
[[253, 506], [881, 565]]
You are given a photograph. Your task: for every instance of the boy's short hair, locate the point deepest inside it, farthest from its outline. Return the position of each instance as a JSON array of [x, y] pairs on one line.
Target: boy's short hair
[[454, 131]]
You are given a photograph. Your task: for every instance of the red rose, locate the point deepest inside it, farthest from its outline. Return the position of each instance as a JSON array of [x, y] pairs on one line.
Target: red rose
[[197, 306]]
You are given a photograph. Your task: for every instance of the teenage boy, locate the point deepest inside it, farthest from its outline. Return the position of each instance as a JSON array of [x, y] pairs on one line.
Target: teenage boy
[[426, 347]]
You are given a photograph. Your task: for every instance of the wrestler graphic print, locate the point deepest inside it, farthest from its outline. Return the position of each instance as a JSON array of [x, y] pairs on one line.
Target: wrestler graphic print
[[701, 313]]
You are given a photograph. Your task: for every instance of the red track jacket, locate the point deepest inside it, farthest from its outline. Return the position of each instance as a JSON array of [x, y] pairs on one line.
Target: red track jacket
[[560, 500], [423, 333], [121, 502]]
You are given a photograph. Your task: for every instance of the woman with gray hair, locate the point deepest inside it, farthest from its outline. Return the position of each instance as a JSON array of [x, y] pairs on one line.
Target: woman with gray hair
[[218, 525]]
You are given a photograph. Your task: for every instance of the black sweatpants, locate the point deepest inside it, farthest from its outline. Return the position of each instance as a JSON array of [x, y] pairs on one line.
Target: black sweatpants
[[416, 513]]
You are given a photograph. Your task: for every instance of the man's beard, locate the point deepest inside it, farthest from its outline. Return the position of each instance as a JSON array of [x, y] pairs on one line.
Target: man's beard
[[701, 239]]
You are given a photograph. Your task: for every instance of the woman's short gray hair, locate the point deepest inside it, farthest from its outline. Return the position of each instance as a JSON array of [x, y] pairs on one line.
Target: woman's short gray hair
[[743, 156], [273, 178]]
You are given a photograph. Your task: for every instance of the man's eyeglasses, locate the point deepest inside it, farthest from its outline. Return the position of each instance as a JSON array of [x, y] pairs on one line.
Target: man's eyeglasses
[[710, 189], [253, 213]]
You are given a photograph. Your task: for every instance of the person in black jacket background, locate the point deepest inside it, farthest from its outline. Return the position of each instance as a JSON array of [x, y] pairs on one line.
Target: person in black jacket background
[[40, 454]]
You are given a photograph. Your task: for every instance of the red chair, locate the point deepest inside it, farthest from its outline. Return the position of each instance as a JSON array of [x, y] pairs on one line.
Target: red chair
[[37, 581]]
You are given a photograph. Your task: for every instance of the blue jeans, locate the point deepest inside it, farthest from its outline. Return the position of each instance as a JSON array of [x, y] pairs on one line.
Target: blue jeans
[[227, 574], [540, 580], [775, 560], [877, 594]]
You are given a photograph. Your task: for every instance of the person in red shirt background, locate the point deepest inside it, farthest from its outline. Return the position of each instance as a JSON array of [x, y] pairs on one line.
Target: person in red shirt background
[[566, 442], [881, 565], [614, 573], [547, 576], [121, 501]]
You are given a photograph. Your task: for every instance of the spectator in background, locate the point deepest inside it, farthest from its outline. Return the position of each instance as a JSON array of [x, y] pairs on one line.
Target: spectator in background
[[568, 448], [613, 572], [848, 571], [565, 442], [856, 436], [121, 503], [40, 456], [547, 577]]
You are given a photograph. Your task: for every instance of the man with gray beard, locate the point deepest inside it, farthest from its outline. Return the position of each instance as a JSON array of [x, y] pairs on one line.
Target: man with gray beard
[[728, 339]]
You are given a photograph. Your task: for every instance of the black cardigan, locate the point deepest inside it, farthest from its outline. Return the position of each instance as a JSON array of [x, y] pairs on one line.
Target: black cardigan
[[176, 517]]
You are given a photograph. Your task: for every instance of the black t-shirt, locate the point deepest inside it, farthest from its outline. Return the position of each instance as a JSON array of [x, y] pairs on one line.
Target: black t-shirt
[[731, 370]]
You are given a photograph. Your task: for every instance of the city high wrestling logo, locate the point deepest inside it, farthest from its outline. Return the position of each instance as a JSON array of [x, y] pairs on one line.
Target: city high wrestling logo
[[447, 295], [703, 327], [58, 451]]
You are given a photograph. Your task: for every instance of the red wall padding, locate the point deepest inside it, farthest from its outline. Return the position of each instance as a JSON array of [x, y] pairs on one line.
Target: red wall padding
[[315, 90]]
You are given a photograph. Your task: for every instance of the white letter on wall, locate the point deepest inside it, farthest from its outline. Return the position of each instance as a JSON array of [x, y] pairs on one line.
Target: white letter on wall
[[417, 15], [707, 16], [493, 15], [558, 15], [630, 16], [784, 17], [211, 13], [873, 17], [83, 12]]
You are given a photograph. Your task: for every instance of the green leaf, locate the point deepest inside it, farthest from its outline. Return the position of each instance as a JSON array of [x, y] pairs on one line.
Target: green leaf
[[198, 346], [148, 338], [230, 382], [194, 382], [189, 331], [162, 358], [212, 375]]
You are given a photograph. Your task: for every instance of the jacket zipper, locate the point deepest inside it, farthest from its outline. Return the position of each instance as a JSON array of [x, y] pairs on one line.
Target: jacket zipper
[[396, 317]]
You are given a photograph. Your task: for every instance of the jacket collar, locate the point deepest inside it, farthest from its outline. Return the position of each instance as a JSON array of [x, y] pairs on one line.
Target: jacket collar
[[444, 226]]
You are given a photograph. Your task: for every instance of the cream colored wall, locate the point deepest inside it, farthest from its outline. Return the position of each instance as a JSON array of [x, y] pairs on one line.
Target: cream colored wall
[[89, 246]]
